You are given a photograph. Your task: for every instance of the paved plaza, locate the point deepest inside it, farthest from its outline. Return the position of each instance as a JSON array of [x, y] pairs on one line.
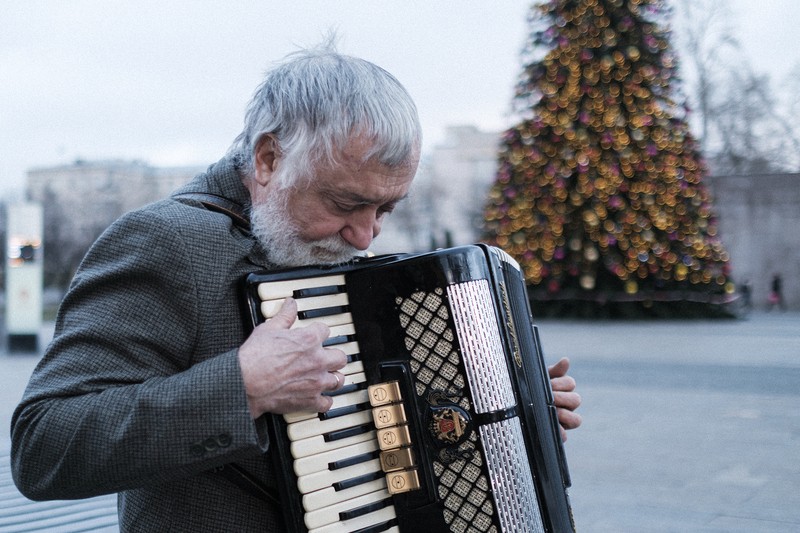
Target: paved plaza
[[689, 426]]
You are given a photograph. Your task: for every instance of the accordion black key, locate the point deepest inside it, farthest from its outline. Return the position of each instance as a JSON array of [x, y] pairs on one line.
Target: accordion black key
[[446, 421]]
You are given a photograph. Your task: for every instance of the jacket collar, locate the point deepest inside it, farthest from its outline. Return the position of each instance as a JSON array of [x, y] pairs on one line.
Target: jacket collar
[[222, 179]]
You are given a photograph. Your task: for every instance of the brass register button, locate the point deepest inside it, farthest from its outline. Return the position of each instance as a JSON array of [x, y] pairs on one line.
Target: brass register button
[[393, 437], [398, 482], [384, 393], [401, 459], [389, 415]]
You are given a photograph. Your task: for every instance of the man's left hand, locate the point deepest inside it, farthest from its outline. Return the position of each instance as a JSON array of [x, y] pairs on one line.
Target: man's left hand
[[567, 400]]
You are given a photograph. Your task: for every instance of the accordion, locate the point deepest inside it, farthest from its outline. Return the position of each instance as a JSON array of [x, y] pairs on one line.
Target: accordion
[[446, 420]]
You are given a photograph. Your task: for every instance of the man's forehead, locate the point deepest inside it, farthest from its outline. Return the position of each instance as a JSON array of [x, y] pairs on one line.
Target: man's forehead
[[364, 191], [361, 150]]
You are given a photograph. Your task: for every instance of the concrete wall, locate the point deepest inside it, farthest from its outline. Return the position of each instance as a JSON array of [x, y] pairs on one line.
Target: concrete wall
[[759, 222]]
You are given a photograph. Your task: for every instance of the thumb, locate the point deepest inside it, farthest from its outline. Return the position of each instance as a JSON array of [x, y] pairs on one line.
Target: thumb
[[559, 369], [285, 316]]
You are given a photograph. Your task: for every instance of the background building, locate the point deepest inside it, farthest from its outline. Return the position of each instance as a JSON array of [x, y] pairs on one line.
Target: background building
[[81, 199], [445, 204], [758, 215], [462, 168], [97, 191]]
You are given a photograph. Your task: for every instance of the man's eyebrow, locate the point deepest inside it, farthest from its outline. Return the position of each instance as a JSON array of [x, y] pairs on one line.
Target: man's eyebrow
[[357, 198], [397, 200]]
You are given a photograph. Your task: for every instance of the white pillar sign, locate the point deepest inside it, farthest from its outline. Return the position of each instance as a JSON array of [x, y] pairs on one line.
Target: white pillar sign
[[24, 276]]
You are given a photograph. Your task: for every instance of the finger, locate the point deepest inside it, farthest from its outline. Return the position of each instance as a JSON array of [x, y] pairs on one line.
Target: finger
[[312, 336], [338, 383], [337, 359], [567, 400], [323, 404], [285, 316], [559, 369], [568, 419], [316, 404], [565, 383]]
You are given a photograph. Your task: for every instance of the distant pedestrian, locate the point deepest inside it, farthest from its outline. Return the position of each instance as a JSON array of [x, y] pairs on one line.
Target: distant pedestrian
[[747, 301], [775, 298]]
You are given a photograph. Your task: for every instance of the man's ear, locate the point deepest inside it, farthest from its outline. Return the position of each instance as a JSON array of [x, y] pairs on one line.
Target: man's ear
[[266, 154]]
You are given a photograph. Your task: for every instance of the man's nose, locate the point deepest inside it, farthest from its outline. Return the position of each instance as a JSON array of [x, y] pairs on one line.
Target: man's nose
[[361, 228]]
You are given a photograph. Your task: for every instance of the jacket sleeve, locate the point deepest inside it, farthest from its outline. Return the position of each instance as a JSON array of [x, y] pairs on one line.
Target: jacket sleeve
[[127, 393]]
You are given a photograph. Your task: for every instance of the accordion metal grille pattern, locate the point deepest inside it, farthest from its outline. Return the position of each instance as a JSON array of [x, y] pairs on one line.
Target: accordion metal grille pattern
[[462, 484], [515, 494], [481, 346]]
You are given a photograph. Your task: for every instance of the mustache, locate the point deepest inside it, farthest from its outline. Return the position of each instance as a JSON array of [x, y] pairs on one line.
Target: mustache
[[280, 237]]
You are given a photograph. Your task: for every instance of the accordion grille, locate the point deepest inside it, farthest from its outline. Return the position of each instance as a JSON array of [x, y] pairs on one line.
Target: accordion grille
[[512, 481], [474, 493], [462, 482], [481, 345]]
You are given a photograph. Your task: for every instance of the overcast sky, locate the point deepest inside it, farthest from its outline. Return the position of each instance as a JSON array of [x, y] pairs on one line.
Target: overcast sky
[[167, 81]]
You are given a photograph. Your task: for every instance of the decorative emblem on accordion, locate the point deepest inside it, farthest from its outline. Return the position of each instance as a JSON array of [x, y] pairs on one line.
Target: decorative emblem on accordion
[[449, 426]]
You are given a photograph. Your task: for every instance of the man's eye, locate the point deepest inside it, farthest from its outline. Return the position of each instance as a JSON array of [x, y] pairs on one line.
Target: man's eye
[[386, 209], [344, 208]]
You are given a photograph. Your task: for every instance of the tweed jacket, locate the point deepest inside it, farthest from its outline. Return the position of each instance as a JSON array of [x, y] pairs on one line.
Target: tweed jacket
[[140, 391]]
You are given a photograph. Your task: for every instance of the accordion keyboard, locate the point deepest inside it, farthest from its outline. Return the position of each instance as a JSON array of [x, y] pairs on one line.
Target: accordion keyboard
[[336, 454]]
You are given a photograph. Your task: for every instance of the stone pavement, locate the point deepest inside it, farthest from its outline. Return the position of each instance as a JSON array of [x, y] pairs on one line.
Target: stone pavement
[[689, 426], [17, 513]]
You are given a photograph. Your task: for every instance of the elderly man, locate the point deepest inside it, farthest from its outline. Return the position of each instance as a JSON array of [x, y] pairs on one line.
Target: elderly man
[[152, 383]]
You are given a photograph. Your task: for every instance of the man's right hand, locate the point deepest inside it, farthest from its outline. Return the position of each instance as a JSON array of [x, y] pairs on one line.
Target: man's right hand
[[287, 370]]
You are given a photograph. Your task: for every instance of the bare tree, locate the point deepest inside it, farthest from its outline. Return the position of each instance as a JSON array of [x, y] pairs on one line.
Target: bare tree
[[707, 37], [744, 126], [64, 246], [754, 136]]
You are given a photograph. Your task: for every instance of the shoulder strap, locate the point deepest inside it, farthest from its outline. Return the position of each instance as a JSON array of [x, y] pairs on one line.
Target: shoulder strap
[[213, 202], [249, 484]]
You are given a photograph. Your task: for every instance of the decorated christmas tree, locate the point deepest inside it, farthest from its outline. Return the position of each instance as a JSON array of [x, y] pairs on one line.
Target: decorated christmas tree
[[599, 192]]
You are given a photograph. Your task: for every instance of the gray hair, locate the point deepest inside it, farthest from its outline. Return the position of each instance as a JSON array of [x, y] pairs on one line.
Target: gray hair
[[316, 100]]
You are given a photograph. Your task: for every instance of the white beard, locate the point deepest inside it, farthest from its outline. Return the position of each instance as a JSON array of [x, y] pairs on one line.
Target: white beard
[[280, 237]]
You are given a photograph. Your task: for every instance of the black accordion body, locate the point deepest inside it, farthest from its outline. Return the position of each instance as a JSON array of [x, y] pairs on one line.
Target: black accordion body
[[446, 421]]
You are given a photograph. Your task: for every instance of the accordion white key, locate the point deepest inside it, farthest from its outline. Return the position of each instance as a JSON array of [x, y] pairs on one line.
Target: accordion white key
[[446, 421]]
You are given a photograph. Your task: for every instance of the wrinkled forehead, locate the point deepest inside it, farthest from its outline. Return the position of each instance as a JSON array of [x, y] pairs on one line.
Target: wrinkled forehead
[[364, 147], [360, 155]]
